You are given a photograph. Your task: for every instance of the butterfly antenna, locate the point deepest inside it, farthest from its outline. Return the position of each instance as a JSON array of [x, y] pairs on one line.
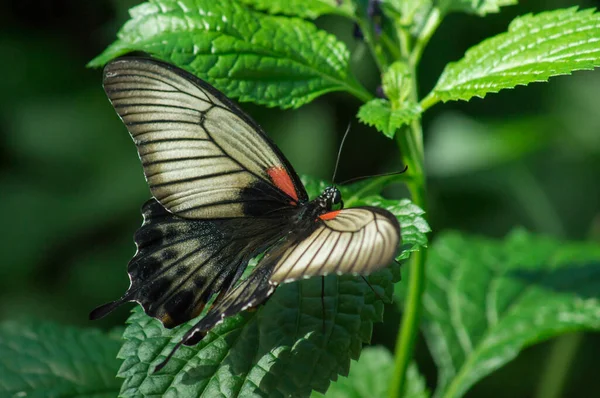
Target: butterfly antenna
[[337, 162], [375, 175], [374, 291]]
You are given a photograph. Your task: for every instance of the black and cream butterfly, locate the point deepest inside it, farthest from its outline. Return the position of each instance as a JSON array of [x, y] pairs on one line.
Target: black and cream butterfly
[[222, 194]]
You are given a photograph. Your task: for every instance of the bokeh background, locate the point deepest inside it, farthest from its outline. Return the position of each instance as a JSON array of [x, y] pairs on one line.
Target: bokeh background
[[71, 184]]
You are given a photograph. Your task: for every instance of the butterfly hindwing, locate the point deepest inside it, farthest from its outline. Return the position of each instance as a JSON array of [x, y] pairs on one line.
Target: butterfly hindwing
[[352, 241], [180, 264], [249, 293], [357, 240], [203, 157]]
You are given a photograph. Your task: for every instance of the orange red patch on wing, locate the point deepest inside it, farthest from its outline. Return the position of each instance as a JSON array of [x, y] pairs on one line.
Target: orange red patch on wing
[[329, 216], [283, 181]]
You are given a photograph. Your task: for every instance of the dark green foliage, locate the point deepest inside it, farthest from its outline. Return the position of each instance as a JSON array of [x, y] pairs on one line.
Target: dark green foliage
[[71, 187], [47, 360], [487, 300], [370, 377]]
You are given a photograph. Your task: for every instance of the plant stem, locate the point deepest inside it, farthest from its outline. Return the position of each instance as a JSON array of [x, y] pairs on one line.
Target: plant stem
[[558, 365], [407, 335], [390, 46], [359, 92], [375, 48], [433, 21], [410, 141], [430, 100]]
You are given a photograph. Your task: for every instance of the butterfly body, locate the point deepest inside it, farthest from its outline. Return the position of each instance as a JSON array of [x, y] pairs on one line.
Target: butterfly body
[[222, 194]]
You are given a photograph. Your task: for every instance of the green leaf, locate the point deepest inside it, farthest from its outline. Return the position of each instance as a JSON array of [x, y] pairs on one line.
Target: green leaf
[[397, 84], [486, 300], [379, 114], [48, 360], [278, 350], [269, 60], [415, 383], [388, 116], [407, 13], [370, 377], [479, 7], [304, 8], [535, 48]]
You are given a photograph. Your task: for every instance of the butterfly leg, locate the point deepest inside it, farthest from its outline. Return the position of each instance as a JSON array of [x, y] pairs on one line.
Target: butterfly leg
[[400, 264], [250, 293], [379, 296]]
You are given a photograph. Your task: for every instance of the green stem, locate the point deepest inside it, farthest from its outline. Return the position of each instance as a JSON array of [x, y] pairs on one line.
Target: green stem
[[359, 92], [410, 141], [405, 341], [391, 46], [557, 367], [433, 21], [407, 335], [430, 100], [367, 31]]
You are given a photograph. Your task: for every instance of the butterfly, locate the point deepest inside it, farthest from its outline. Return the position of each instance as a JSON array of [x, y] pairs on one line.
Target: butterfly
[[223, 193]]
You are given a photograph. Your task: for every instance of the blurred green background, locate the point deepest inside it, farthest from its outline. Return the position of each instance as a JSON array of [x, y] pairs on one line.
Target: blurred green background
[[71, 184]]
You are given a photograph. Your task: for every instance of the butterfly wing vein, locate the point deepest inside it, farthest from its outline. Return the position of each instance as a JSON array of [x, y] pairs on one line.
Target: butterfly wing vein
[[357, 241]]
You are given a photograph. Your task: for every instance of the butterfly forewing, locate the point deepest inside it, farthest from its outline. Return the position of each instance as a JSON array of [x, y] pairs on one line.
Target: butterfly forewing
[[202, 156]]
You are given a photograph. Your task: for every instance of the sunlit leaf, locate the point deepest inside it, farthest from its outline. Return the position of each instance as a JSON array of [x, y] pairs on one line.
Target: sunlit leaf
[[397, 83], [379, 114], [409, 13], [304, 8], [479, 7], [269, 60], [388, 115], [535, 48]]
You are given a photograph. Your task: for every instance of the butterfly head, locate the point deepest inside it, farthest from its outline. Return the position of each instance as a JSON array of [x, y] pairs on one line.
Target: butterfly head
[[331, 199]]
